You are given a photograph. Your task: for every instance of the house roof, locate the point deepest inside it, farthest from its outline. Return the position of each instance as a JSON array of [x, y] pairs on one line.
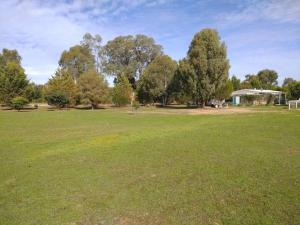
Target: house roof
[[255, 92]]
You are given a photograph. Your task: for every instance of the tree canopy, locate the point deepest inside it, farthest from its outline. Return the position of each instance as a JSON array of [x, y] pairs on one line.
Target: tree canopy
[[93, 88], [77, 60], [62, 82], [129, 55], [155, 80]]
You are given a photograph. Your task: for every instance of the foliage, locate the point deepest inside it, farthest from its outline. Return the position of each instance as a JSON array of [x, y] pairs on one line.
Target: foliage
[[13, 82], [122, 92], [236, 83], [250, 82], [34, 92], [155, 80], [77, 60], [57, 98], [129, 55], [10, 56], [265, 79], [19, 102], [293, 90], [209, 65], [224, 91], [135, 105], [93, 88], [94, 44], [287, 81], [268, 78], [62, 82], [182, 87]]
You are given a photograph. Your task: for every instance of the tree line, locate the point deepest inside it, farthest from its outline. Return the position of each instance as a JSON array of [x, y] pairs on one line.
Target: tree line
[[141, 72]]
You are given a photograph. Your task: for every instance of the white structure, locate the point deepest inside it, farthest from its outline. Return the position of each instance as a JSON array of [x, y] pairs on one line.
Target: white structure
[[294, 102], [237, 94]]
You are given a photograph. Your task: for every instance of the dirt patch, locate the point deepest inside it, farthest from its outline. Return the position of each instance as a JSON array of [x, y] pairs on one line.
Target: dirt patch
[[222, 111]]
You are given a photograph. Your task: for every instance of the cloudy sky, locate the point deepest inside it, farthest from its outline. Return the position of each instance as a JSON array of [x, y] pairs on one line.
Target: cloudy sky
[[258, 33]]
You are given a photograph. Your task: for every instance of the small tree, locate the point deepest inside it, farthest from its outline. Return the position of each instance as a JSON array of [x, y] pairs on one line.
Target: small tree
[[19, 102], [13, 82], [62, 82], [122, 92], [93, 88], [58, 99]]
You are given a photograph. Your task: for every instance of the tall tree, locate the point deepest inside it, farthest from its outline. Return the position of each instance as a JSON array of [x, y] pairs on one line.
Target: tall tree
[[13, 82], [268, 78], [77, 60], [129, 55], [155, 80], [94, 44], [207, 56], [63, 84], [93, 88], [145, 50]]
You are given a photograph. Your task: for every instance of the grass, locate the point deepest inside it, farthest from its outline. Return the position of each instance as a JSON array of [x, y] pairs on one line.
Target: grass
[[112, 167]]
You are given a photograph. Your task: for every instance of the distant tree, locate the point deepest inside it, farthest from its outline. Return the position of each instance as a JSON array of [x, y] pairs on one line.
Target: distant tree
[[19, 102], [77, 60], [57, 98], [93, 88], [268, 78], [122, 92], [129, 55], [13, 81], [224, 91], [236, 83], [62, 82], [10, 56], [250, 82], [207, 56], [34, 92], [293, 92], [287, 81], [155, 80]]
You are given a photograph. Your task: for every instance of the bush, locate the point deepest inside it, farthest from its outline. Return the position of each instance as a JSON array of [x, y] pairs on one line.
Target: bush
[[58, 99], [19, 102], [135, 105]]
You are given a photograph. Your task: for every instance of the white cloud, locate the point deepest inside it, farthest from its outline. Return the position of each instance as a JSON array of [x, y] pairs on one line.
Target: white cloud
[[276, 10], [41, 30]]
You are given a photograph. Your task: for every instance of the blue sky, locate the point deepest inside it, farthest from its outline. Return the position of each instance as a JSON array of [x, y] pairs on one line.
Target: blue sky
[[259, 34]]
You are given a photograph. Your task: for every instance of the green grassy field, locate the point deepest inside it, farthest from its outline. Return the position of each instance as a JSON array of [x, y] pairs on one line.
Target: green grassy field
[[113, 167]]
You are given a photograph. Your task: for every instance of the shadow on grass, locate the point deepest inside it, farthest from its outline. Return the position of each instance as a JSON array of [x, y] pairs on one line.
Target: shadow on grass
[[176, 106]]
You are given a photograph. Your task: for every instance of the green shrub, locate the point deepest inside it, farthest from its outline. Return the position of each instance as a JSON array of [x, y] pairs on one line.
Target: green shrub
[[57, 98], [19, 102], [135, 105]]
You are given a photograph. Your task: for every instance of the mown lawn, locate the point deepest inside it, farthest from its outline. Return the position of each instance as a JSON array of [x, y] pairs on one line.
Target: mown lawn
[[112, 167]]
